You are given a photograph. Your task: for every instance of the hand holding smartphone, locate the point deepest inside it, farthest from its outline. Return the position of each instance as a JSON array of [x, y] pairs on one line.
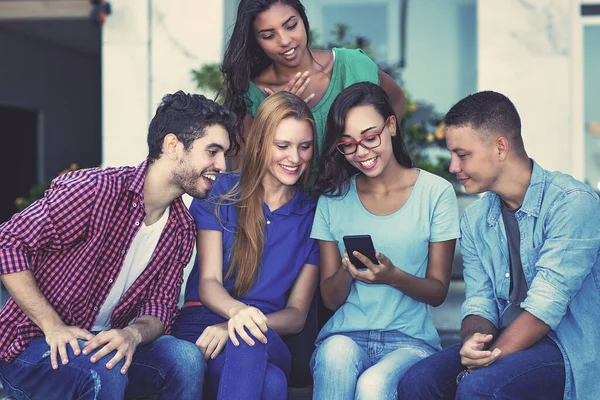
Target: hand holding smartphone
[[364, 245]]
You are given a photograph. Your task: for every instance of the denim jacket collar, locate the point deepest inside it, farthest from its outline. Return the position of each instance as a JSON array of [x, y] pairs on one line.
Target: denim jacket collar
[[533, 197]]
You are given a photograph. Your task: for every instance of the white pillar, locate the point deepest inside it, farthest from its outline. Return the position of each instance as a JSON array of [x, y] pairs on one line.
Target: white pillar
[[185, 34], [524, 52], [125, 83], [149, 48]]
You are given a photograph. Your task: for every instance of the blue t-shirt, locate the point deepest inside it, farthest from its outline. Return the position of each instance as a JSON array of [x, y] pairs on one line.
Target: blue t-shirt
[[429, 215], [287, 248]]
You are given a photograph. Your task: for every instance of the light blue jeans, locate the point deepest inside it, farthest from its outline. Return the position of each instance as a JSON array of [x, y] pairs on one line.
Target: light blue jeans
[[364, 365]]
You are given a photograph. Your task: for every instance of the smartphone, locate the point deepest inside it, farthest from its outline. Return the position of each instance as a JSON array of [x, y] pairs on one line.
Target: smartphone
[[364, 245]]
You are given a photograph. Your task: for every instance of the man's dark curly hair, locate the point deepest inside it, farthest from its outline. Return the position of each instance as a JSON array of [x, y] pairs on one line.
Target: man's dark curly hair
[[187, 116]]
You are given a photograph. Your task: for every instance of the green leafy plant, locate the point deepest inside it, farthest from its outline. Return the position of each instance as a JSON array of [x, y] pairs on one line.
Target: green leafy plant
[[423, 131], [209, 77], [36, 192]]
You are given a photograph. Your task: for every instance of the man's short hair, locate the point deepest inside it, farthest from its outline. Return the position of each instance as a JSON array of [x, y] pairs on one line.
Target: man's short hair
[[187, 116], [489, 113]]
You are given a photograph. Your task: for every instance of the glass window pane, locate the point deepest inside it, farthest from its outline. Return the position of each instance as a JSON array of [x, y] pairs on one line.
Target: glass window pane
[[365, 20], [591, 90]]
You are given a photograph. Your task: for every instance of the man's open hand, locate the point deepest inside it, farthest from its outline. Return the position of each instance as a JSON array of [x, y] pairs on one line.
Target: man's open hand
[[58, 337], [123, 341]]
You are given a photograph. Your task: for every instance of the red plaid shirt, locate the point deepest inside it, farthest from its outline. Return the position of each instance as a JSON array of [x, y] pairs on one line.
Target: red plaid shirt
[[75, 239]]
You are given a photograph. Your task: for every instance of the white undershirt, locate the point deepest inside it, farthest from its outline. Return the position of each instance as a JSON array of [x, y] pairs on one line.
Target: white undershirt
[[136, 261]]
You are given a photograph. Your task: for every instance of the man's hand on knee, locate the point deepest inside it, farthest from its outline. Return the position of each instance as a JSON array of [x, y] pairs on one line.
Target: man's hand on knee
[[473, 355], [123, 341], [58, 338]]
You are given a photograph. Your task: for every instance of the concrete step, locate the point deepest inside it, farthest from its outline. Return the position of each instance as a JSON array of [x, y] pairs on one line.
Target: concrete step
[[446, 317]]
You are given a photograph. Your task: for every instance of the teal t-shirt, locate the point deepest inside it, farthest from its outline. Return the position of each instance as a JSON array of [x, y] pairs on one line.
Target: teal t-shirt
[[429, 215], [349, 66]]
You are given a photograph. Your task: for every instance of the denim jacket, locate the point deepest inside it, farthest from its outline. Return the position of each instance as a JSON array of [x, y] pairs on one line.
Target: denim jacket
[[559, 223]]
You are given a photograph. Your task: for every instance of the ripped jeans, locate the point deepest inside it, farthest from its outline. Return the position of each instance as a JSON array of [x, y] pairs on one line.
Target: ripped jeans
[[167, 367], [364, 365]]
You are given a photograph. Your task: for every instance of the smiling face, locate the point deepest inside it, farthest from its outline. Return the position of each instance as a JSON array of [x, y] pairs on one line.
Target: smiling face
[[280, 32], [474, 161], [199, 165], [291, 152], [361, 123]]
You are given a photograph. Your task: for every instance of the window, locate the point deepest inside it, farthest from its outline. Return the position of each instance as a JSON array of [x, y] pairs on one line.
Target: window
[[585, 113], [591, 99], [375, 20]]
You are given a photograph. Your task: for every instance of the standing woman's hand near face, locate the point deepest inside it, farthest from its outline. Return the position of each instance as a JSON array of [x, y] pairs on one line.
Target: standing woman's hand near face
[[297, 85]]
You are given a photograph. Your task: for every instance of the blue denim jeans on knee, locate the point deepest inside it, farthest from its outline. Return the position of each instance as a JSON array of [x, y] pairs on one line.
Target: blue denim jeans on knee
[[167, 367], [364, 365], [535, 373], [250, 372]]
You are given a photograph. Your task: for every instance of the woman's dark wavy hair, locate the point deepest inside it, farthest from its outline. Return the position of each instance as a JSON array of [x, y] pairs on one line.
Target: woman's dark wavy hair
[[244, 59], [335, 170]]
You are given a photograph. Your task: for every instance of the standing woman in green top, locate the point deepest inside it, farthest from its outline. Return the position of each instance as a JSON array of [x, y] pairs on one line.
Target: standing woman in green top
[[269, 52]]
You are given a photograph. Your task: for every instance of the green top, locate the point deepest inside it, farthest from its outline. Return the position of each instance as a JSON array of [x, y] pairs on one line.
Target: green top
[[349, 66]]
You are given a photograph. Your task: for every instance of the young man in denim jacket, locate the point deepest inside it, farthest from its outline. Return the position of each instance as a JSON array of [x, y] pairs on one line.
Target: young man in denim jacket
[[531, 267]]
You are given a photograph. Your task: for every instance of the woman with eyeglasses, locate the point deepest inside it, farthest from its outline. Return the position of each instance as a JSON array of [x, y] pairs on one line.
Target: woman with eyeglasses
[[257, 268], [368, 185], [270, 51]]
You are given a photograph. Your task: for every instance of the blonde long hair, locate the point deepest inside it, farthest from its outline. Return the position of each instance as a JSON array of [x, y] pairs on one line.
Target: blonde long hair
[[248, 193]]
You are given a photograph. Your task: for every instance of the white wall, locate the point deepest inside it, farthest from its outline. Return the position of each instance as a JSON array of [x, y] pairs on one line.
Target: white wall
[[62, 85], [524, 53], [149, 48]]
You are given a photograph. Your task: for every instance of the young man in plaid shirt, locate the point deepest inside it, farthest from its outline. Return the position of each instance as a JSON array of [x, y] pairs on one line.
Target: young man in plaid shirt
[[95, 269]]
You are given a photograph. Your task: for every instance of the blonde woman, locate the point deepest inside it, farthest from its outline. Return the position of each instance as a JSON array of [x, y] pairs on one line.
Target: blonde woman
[[257, 266]]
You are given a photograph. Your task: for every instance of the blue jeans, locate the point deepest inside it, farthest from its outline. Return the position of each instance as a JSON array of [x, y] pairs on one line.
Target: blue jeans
[[167, 367], [243, 372], [535, 373], [364, 365], [251, 372], [301, 347]]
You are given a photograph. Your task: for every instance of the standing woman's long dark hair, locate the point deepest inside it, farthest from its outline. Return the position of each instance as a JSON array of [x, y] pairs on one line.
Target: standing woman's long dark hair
[[244, 59], [334, 178]]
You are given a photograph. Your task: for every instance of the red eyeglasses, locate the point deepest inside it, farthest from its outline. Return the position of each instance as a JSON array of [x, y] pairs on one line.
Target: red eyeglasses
[[370, 141]]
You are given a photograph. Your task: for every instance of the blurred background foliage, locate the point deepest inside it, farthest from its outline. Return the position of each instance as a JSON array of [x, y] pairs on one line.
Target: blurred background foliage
[[37, 191]]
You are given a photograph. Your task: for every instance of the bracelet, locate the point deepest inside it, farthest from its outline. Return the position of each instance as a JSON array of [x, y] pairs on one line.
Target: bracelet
[[462, 375]]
